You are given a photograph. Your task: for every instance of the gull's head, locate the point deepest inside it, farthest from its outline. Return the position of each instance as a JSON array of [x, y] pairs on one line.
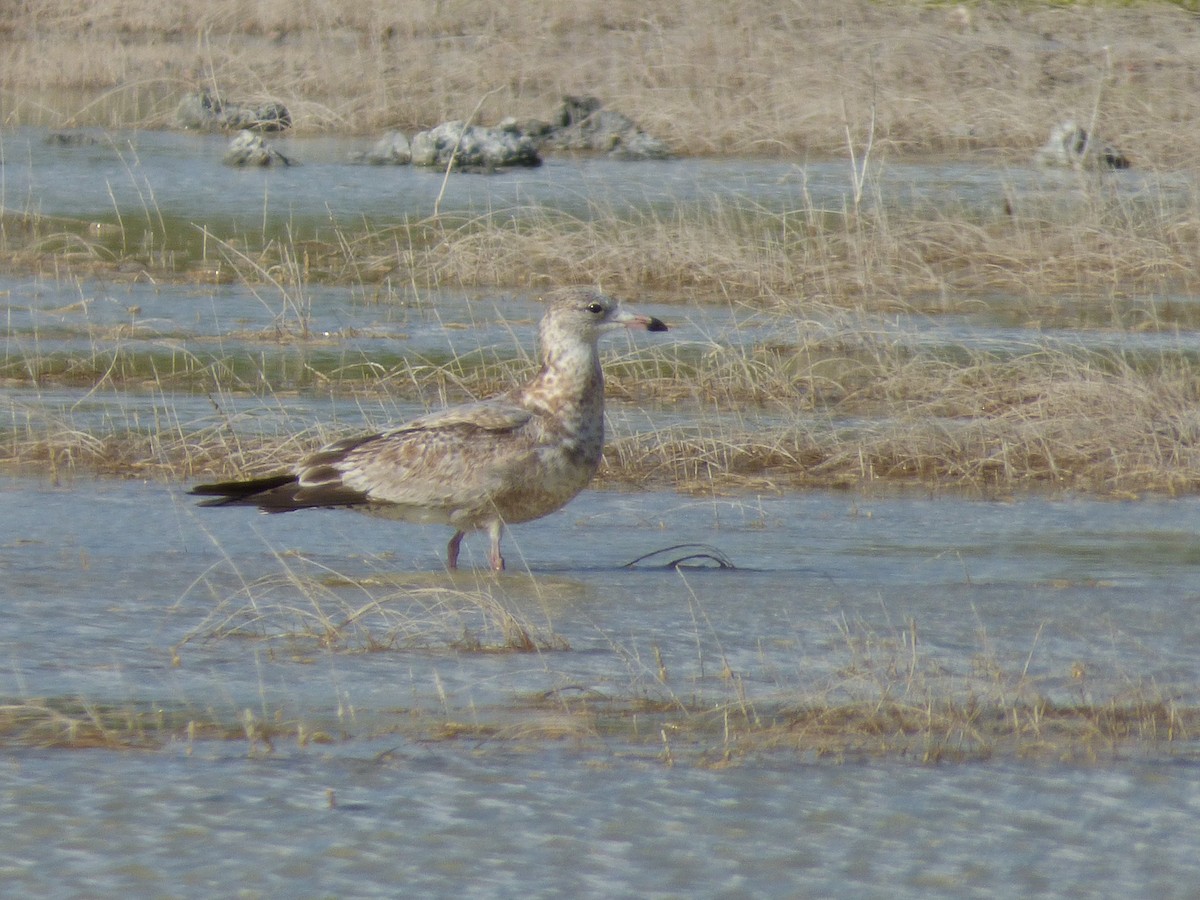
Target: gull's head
[[585, 314]]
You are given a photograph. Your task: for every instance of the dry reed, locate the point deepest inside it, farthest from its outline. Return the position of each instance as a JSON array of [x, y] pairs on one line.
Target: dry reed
[[889, 697], [835, 404], [307, 604], [753, 78]]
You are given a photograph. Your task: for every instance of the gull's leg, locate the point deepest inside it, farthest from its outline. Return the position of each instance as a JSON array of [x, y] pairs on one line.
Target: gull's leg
[[452, 550], [495, 530]]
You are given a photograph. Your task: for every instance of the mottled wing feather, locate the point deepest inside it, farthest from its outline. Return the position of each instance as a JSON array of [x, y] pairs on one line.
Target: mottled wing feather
[[443, 470], [488, 415], [449, 461]]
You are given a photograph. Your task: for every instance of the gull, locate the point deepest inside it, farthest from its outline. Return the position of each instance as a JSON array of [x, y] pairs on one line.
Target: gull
[[511, 458]]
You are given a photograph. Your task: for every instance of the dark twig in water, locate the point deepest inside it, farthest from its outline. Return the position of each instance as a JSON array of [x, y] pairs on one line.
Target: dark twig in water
[[695, 552]]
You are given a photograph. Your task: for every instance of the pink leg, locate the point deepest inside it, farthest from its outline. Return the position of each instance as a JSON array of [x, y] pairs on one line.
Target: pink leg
[[495, 530], [452, 550]]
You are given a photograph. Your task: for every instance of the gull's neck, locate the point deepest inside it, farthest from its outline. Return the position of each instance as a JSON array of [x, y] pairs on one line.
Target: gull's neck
[[570, 385]]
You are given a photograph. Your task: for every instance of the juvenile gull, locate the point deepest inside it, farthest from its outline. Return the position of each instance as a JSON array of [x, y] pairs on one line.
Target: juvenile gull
[[512, 458]]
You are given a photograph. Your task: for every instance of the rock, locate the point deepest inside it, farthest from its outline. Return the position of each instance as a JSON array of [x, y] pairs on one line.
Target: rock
[[1070, 146], [580, 123], [393, 149], [639, 145], [473, 148], [249, 149], [196, 111], [269, 116], [575, 110], [535, 129], [583, 124], [202, 110]]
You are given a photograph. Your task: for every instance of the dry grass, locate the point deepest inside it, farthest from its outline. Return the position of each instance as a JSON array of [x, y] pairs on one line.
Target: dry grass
[[75, 724], [752, 78], [887, 259], [307, 606], [926, 731], [888, 697], [830, 403], [1050, 418], [1096, 243]]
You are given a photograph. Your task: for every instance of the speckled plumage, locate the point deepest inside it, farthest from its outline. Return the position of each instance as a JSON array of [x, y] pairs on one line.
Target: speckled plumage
[[509, 459]]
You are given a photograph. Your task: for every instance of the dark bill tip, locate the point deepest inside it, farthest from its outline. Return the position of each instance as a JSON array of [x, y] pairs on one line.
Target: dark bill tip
[[656, 324]]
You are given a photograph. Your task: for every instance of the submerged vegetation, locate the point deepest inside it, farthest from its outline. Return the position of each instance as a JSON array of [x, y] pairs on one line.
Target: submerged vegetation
[[929, 730], [887, 696]]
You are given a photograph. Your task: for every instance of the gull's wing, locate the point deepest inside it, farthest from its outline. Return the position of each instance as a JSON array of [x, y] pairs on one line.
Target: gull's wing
[[489, 415], [452, 460]]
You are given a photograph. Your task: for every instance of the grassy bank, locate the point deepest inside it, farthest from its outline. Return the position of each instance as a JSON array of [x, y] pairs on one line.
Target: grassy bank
[[836, 395], [749, 78]]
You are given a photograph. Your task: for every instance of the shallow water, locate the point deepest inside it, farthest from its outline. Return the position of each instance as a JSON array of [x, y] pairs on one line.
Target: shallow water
[[445, 770], [440, 822], [179, 177], [107, 577]]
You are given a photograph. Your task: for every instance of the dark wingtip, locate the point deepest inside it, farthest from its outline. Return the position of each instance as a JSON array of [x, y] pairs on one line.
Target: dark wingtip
[[656, 324], [233, 491]]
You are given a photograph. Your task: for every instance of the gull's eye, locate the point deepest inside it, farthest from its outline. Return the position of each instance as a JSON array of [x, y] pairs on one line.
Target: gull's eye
[[595, 308]]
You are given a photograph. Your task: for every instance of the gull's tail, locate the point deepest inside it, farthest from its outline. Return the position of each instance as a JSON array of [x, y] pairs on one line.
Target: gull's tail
[[255, 492]]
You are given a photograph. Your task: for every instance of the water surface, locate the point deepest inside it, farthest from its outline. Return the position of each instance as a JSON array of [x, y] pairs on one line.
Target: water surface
[[436, 762], [179, 176], [110, 587]]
